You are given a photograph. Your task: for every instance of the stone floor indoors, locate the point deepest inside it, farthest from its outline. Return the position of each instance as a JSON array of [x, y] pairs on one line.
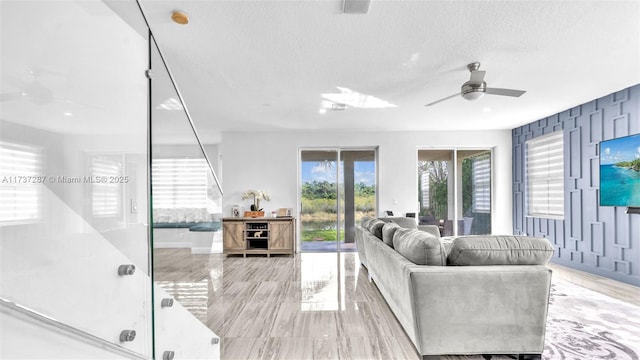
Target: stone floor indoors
[[322, 306]]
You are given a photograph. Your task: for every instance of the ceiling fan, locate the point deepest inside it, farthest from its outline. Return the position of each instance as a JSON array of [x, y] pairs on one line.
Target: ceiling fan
[[35, 91], [475, 88]]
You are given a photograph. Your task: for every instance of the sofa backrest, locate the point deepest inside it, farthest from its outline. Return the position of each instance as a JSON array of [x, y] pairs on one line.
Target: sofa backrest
[[499, 250], [432, 229], [405, 222]]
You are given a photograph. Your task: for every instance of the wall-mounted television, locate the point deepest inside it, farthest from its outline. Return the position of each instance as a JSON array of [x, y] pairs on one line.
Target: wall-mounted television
[[620, 172]]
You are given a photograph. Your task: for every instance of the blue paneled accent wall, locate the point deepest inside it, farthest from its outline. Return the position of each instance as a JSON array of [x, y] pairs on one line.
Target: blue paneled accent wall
[[601, 240]]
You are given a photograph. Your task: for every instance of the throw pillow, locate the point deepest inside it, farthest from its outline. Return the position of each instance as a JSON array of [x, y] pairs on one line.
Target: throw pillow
[[375, 228], [388, 230], [419, 247]]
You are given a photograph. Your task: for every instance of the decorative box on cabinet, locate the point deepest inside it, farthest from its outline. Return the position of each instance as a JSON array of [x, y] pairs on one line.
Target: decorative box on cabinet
[[258, 235]]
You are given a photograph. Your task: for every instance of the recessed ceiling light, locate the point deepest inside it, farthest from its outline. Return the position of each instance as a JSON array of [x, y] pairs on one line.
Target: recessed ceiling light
[[68, 114], [180, 17]]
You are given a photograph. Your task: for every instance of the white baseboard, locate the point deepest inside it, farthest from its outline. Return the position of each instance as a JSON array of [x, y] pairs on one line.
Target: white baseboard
[[171, 245]]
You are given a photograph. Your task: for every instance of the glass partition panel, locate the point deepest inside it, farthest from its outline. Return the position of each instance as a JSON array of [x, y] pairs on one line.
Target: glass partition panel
[[73, 182], [435, 189], [357, 177], [454, 188], [337, 188], [319, 225], [187, 235], [475, 214]]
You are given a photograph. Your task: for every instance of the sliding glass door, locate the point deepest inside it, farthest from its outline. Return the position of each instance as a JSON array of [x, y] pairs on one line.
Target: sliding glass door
[[337, 188], [454, 187]]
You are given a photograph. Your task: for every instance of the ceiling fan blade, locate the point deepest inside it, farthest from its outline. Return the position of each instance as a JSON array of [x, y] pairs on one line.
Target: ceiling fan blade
[[477, 76], [443, 99], [504, 92]]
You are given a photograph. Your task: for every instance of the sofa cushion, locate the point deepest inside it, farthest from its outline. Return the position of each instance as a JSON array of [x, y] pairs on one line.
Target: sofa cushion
[[375, 228], [405, 222], [388, 230], [499, 250], [419, 247], [364, 222]]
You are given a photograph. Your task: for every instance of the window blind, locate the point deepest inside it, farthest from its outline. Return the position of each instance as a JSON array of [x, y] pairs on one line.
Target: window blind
[[545, 176], [179, 183], [106, 196], [481, 175], [425, 189], [20, 193]]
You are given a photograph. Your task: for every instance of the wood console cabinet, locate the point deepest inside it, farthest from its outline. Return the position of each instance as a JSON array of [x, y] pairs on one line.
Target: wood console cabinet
[[259, 235]]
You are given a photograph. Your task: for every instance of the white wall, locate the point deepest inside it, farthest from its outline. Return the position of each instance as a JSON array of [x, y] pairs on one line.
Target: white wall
[[213, 153], [269, 161]]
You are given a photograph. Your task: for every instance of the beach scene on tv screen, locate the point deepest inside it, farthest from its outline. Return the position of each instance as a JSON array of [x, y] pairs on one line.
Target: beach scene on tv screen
[[620, 172]]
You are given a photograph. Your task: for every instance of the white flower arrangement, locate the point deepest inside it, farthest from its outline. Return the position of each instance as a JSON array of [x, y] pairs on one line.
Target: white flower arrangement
[[257, 195]]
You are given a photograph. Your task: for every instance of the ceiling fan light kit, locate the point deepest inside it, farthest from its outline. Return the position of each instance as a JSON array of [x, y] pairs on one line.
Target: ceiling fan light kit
[[473, 91], [476, 87], [356, 6]]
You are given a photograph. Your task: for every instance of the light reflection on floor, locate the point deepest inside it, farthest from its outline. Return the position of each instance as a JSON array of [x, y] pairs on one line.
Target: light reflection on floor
[[290, 307]]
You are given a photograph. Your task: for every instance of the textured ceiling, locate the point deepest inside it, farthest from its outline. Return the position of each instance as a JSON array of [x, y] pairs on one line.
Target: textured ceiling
[[264, 64]]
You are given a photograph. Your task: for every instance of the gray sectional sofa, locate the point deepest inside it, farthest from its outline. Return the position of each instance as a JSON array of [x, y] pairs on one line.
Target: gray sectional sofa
[[461, 295]]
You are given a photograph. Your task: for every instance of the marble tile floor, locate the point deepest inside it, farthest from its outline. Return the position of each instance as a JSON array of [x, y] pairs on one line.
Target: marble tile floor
[[310, 306], [327, 246], [615, 289]]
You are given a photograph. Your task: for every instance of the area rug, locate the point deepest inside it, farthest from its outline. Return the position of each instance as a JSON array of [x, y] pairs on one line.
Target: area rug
[[586, 325]]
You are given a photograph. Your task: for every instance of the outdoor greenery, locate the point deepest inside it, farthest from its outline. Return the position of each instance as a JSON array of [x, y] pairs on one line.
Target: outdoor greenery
[[324, 235], [467, 185], [438, 188], [320, 197], [633, 165], [319, 206], [319, 190], [438, 175]]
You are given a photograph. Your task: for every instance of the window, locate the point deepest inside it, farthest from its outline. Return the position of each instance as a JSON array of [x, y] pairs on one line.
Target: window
[[545, 176], [455, 190], [106, 196], [21, 183], [179, 183], [481, 190], [425, 190]]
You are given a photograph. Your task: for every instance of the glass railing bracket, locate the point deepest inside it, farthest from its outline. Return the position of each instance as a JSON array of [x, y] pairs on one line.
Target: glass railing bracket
[[126, 269], [127, 335]]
